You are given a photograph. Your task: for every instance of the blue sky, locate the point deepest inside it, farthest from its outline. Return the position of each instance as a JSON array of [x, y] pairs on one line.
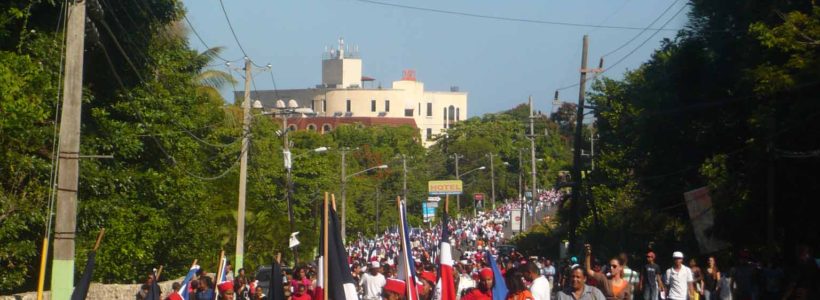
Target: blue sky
[[499, 63]]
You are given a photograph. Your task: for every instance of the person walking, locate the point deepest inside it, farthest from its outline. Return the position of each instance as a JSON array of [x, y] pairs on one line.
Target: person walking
[[516, 289], [698, 276], [373, 282], [540, 288], [631, 276], [577, 289], [650, 282], [549, 272], [613, 287], [711, 280], [679, 279]]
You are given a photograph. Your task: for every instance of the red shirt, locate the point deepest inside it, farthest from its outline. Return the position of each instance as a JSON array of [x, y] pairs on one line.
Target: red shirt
[[477, 294], [303, 296], [174, 296]]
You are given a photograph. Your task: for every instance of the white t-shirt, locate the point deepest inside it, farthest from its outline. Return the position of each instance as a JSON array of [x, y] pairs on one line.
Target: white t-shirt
[[677, 282], [372, 285], [540, 288]]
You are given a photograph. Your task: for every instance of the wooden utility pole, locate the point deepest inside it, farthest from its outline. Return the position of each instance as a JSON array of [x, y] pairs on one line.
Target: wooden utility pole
[[492, 179], [62, 268], [243, 168], [458, 177], [532, 157], [576, 154]]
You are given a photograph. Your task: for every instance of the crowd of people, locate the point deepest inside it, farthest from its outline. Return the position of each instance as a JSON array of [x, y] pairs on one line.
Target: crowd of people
[[477, 239]]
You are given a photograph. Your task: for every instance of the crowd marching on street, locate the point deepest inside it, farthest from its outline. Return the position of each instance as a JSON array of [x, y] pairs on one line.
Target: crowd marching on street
[[468, 258]]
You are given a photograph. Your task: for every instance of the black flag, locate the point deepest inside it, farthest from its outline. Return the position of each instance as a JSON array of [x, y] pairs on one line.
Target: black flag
[[276, 291], [81, 290]]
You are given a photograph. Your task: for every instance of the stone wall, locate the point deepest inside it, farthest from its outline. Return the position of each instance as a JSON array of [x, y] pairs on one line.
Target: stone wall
[[100, 291]]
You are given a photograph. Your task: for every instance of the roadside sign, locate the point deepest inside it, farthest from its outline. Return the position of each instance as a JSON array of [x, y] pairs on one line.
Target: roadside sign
[[444, 187], [434, 198], [478, 197]]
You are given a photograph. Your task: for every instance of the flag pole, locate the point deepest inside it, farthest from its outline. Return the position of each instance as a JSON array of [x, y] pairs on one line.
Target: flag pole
[[218, 271], [159, 272], [194, 263], [447, 204], [324, 249], [99, 239]]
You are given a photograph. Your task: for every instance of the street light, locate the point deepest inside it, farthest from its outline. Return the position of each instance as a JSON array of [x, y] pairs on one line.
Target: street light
[[468, 172], [344, 189]]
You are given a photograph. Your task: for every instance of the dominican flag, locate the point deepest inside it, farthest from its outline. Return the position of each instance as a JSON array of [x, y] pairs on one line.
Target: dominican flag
[[223, 273], [445, 288], [183, 290], [340, 284], [406, 265]]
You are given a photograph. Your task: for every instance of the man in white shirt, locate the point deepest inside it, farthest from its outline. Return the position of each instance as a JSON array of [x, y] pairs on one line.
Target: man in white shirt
[[373, 282], [540, 287], [679, 279]]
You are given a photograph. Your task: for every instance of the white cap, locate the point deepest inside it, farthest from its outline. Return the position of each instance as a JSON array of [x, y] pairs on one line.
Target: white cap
[[375, 264], [677, 254]]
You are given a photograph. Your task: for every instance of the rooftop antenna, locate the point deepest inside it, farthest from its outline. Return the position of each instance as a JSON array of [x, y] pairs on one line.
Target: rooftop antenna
[[341, 48]]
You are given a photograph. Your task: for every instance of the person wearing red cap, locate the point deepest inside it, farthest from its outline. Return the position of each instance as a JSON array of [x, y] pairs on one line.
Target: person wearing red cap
[[428, 280], [394, 289], [485, 287], [226, 290]]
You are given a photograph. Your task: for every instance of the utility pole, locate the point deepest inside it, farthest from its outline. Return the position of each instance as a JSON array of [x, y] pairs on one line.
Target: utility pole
[[521, 196], [576, 155], [592, 150], [404, 185], [458, 177], [378, 199], [344, 191], [492, 179], [289, 193], [62, 268], [243, 168], [532, 155]]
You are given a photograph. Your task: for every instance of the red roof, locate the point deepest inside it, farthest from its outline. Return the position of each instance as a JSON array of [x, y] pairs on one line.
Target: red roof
[[320, 122]]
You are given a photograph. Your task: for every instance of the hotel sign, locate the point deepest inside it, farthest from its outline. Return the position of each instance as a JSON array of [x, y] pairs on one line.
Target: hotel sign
[[444, 187]]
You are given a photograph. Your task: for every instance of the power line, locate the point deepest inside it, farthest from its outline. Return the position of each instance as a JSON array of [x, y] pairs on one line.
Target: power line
[[202, 41], [644, 30], [225, 12], [510, 19], [620, 60]]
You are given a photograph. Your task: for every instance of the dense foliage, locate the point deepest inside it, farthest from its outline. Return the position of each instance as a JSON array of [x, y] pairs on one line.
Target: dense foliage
[[730, 104]]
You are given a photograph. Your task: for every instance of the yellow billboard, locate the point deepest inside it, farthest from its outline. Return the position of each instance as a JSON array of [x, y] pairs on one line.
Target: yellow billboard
[[444, 187]]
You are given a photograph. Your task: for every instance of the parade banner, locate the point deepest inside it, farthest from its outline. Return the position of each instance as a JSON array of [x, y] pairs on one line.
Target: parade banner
[[699, 204], [444, 187]]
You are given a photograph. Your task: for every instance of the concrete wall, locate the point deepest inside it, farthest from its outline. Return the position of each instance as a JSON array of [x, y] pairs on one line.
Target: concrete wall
[[100, 291]]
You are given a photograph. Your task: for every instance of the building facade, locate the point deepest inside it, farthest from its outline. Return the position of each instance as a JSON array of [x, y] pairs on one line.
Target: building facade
[[343, 95]]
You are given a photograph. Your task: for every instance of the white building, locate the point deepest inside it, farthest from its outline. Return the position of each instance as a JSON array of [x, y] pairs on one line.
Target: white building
[[343, 95]]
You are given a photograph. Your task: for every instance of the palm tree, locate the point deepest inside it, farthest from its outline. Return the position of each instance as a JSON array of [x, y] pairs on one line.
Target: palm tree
[[209, 81]]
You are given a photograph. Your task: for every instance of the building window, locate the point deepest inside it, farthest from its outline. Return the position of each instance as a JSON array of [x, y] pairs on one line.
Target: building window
[[419, 108], [313, 105], [458, 114], [311, 127], [292, 127], [324, 105], [444, 117], [429, 134], [408, 112], [373, 105], [347, 108], [326, 128], [452, 115], [429, 109], [386, 105]]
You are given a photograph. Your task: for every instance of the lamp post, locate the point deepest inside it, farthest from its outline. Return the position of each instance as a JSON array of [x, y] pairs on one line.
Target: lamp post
[[468, 172], [344, 178]]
